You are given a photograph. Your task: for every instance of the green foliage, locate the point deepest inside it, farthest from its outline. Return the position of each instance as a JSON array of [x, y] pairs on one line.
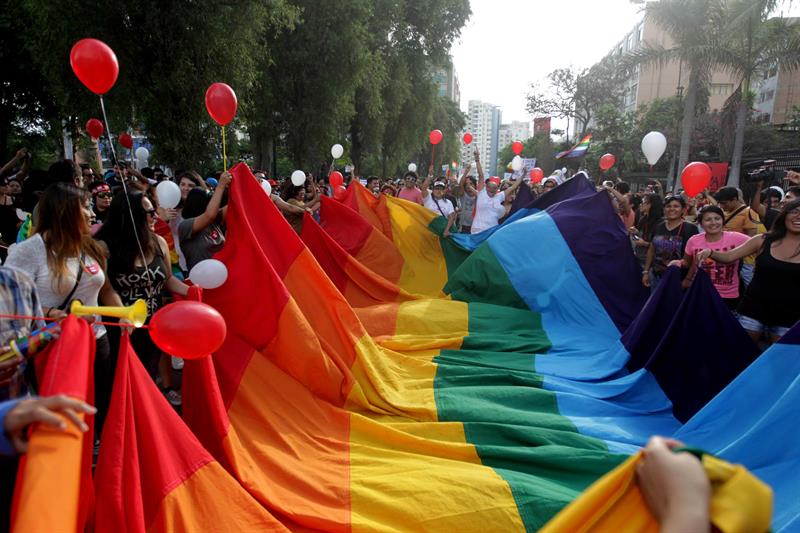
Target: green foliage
[[306, 76], [539, 146]]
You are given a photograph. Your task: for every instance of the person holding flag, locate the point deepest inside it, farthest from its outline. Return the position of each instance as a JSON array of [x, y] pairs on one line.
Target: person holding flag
[[489, 203]]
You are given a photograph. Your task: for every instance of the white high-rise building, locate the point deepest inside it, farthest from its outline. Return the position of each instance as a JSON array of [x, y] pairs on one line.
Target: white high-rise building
[[516, 131], [483, 122]]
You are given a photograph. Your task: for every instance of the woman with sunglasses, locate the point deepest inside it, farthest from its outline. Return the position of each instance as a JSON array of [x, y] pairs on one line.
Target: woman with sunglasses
[[724, 276], [669, 241], [770, 306], [138, 272], [101, 196]]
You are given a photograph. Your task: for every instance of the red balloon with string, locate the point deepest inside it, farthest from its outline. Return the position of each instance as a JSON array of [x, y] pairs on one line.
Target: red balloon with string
[[696, 177], [537, 175], [95, 65], [336, 179], [468, 138], [435, 137], [221, 103], [607, 161], [188, 329], [517, 147], [94, 128], [126, 140]]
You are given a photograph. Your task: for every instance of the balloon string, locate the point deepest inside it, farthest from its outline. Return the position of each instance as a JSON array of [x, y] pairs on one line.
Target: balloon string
[[51, 319], [224, 152], [127, 197], [433, 157]]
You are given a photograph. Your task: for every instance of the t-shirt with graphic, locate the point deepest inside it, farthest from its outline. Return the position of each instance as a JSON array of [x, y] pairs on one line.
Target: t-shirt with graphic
[[488, 210], [142, 283], [412, 195], [670, 244], [444, 208], [199, 246], [725, 277]]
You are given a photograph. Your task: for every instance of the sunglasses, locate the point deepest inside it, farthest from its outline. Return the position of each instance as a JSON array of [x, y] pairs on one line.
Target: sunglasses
[[103, 195], [150, 212]]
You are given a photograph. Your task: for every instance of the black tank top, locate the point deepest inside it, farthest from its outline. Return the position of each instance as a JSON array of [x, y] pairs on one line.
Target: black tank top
[[144, 283], [773, 297]]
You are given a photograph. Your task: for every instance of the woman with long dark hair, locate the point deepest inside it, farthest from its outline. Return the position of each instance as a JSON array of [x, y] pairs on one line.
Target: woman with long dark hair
[[651, 213], [770, 305], [67, 264], [138, 268]]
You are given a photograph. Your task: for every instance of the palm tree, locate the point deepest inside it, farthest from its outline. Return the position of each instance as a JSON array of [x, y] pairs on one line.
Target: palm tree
[[693, 26], [750, 46]]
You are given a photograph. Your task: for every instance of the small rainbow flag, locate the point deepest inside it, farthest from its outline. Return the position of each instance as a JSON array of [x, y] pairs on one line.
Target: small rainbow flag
[[579, 150]]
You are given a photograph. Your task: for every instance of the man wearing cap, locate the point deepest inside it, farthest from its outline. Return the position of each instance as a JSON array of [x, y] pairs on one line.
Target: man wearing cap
[[436, 202], [409, 190], [489, 205]]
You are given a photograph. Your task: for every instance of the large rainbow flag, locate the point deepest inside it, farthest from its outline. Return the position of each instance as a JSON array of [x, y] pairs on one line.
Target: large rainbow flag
[[379, 377]]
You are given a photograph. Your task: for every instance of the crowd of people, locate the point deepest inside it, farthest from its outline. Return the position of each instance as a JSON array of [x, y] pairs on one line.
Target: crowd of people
[[68, 234]]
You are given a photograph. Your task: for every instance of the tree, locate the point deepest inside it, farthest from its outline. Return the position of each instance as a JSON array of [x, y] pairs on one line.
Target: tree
[[752, 45], [578, 95], [694, 26]]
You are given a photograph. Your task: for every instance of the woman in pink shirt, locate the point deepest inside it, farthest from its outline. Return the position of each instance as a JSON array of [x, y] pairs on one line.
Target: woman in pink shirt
[[724, 276]]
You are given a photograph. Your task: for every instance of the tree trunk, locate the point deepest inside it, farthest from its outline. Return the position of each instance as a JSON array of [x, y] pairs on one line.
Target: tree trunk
[[262, 151], [738, 143], [687, 124]]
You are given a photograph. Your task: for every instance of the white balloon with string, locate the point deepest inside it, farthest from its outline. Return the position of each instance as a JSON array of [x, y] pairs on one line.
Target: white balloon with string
[[337, 151], [516, 163], [168, 194], [266, 186], [142, 155], [412, 167]]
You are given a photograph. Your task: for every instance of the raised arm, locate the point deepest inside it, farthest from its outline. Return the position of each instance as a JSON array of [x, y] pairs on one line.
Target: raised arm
[[513, 187], [752, 246], [21, 153], [755, 201], [212, 210], [477, 155]]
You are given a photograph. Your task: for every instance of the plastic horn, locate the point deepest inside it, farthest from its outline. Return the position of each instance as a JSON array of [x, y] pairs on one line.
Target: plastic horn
[[136, 313]]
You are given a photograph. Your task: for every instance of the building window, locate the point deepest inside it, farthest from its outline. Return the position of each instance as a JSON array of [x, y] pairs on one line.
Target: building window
[[640, 33], [720, 89]]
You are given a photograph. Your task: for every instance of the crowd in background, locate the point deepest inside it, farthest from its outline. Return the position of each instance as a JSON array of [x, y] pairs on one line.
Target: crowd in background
[[104, 240]]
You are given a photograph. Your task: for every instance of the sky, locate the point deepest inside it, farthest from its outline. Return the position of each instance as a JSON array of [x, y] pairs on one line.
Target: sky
[[509, 44]]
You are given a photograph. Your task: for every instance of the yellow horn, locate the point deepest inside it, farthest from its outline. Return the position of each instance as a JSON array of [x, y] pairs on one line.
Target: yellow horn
[[136, 313]]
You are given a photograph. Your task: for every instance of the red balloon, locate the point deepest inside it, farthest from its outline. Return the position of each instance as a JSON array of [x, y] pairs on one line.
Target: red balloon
[[435, 136], [517, 147], [467, 138], [336, 179], [607, 161], [339, 192], [95, 128], [537, 175], [695, 178], [95, 64], [221, 103], [126, 140], [188, 329]]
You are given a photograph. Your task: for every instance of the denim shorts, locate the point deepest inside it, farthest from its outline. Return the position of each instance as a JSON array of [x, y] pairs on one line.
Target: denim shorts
[[751, 324]]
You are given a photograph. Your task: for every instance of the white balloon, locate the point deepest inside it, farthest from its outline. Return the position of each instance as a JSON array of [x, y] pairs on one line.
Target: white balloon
[[266, 186], [209, 273], [142, 153], [653, 145], [337, 151], [298, 178], [412, 167], [168, 194], [516, 163]]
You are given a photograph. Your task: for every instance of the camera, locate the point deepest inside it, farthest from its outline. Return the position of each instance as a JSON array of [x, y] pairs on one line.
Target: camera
[[760, 171]]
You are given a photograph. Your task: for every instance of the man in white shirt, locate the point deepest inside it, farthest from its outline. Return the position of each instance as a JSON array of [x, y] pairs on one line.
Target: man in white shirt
[[489, 206], [436, 201]]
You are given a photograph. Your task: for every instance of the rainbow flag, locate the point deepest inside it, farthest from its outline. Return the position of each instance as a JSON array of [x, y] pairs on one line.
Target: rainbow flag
[[579, 150], [341, 401], [425, 412]]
